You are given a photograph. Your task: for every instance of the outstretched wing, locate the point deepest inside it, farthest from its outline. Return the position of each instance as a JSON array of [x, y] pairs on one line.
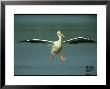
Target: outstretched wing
[[77, 40], [36, 41]]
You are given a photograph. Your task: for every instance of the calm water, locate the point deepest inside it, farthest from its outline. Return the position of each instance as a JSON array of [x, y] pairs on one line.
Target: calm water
[[32, 59]]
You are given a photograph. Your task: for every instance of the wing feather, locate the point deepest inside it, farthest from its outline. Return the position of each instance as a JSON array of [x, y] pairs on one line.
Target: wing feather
[[77, 40], [36, 41]]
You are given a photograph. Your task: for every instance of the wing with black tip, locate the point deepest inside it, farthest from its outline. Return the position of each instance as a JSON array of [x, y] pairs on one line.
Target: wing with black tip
[[36, 41], [77, 40]]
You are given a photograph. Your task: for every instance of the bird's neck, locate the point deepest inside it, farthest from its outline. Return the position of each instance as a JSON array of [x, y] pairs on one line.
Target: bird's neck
[[59, 38]]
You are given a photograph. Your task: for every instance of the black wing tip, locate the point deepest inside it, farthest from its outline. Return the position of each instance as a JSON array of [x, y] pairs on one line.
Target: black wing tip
[[23, 41]]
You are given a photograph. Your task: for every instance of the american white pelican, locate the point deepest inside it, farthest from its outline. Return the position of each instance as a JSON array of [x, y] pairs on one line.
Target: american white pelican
[[56, 46]]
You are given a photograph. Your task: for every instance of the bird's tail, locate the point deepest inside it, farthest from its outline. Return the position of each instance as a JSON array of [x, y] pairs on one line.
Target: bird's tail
[[52, 56]]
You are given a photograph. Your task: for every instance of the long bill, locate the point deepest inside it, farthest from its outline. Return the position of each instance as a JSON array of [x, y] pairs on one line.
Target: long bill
[[62, 35]]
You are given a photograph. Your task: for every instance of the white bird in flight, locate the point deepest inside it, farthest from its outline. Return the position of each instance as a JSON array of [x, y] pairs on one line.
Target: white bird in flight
[[56, 46]]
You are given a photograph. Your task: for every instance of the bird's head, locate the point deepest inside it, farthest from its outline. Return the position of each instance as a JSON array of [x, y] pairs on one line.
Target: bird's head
[[60, 34]]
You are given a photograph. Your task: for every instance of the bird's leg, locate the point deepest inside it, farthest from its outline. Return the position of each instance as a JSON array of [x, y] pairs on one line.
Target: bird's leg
[[52, 56], [62, 58]]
